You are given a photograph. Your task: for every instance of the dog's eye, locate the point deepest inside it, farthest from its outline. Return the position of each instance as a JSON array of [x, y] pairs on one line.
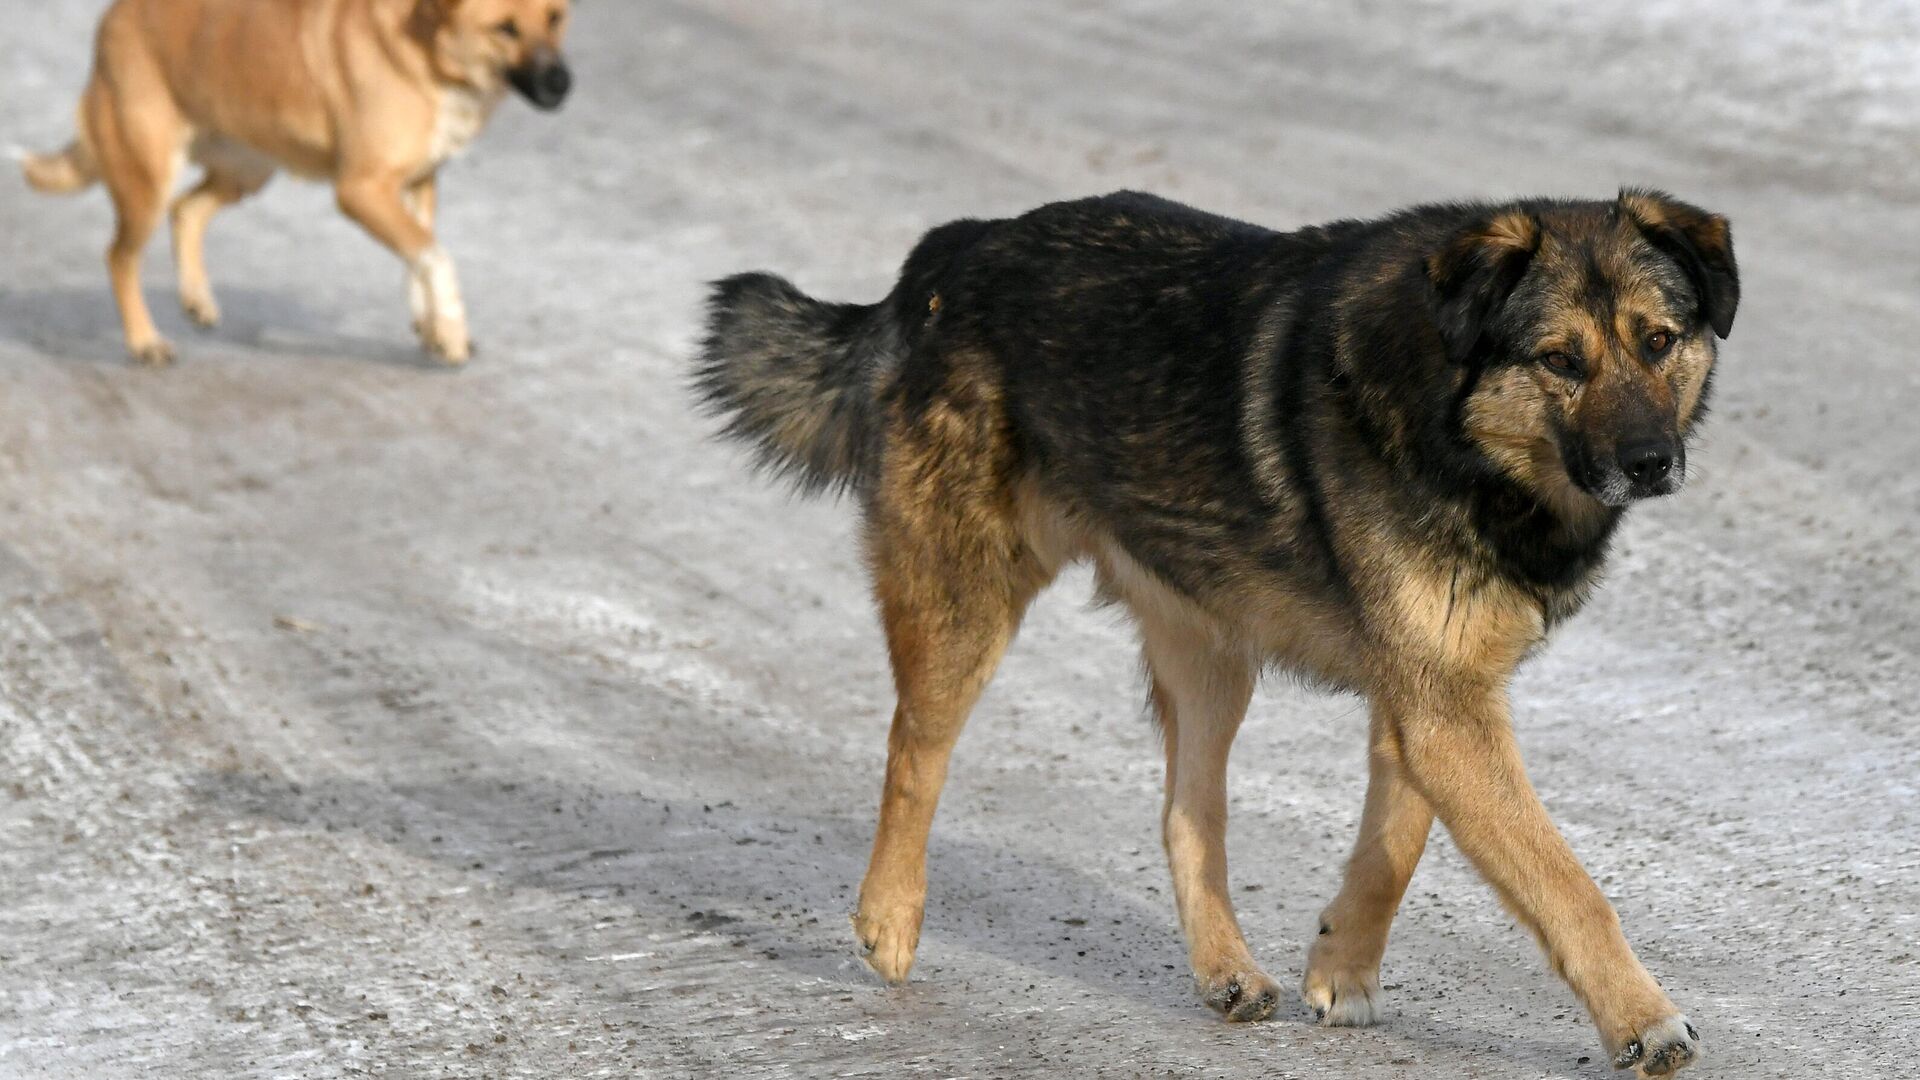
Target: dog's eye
[[1659, 342], [508, 29], [553, 20], [1564, 363]]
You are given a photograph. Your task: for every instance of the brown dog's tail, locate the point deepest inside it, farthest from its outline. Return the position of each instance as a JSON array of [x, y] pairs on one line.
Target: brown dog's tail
[[62, 173], [797, 378]]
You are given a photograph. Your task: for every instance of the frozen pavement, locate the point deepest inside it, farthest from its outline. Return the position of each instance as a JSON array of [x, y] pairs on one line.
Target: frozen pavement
[[359, 717]]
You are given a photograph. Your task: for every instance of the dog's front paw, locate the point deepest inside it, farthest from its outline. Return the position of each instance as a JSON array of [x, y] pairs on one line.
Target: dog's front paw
[[1342, 998], [1241, 996], [1662, 1049], [888, 939], [1342, 984], [446, 340]]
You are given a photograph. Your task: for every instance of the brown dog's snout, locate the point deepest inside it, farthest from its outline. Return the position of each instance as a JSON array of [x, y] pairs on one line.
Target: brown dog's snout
[[545, 79]]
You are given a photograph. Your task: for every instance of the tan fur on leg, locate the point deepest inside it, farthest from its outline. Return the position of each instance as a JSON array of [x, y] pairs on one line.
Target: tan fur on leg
[[1458, 748], [138, 135], [1342, 983], [1202, 684], [953, 580], [191, 215]]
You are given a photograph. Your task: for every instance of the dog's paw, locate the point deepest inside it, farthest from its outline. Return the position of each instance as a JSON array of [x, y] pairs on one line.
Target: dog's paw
[[1662, 1049], [1241, 996], [204, 313], [1343, 998], [447, 342], [154, 354], [888, 940]]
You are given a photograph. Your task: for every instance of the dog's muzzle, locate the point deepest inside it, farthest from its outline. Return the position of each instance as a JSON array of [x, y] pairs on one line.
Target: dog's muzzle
[[544, 79]]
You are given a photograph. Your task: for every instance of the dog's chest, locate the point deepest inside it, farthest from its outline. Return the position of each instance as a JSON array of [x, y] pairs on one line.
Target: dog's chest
[[463, 115]]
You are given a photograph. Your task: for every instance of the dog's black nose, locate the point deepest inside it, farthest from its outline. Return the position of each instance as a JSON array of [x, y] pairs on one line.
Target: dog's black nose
[[1647, 463], [544, 80], [557, 82]]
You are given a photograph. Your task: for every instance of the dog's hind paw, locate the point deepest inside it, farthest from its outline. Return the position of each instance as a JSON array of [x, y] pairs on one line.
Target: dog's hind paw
[[1661, 1050], [1241, 996], [154, 354]]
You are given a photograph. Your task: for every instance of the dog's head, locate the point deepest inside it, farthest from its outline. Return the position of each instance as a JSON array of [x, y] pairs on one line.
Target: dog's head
[[1588, 330], [490, 43]]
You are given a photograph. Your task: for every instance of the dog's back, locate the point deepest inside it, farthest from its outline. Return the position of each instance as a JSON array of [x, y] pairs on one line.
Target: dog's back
[[1116, 336]]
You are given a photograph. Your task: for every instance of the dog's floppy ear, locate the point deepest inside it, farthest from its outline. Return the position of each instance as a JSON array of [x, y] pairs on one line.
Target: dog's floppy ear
[[1701, 242], [429, 17], [1472, 275], [434, 9]]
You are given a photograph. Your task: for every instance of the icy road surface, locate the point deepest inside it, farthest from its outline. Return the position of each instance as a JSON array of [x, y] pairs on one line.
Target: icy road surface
[[361, 718]]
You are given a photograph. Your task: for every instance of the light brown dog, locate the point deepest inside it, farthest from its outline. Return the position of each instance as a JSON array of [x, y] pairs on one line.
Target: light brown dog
[[371, 95]]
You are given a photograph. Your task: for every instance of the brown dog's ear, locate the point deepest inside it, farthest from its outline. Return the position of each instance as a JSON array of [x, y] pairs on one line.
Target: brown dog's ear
[[1701, 242], [429, 16], [1474, 272]]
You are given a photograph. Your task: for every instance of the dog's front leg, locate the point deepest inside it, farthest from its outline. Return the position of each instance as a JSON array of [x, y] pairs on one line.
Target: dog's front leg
[[377, 200], [1458, 750], [423, 198], [1342, 983]]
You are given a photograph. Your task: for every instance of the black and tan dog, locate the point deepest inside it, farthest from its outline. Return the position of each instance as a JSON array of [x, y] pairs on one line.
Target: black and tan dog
[[372, 95], [1385, 455]]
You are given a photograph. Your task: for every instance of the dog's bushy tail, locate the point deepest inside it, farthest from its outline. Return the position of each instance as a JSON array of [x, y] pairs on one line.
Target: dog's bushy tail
[[62, 172], [797, 378]]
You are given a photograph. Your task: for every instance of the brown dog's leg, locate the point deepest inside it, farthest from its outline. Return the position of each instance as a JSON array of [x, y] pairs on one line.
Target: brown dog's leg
[[136, 133], [192, 213], [423, 198], [377, 201], [1342, 983], [1201, 689], [953, 580], [947, 623], [1459, 751]]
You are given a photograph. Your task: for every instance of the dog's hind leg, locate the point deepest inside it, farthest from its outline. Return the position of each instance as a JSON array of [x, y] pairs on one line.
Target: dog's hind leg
[[1342, 983], [223, 185], [1202, 684], [953, 578], [137, 134]]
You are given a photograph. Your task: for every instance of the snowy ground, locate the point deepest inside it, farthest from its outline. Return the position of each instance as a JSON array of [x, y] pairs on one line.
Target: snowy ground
[[362, 718]]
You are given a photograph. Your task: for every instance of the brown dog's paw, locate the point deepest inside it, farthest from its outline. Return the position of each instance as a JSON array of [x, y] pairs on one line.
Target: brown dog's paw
[[888, 941], [204, 313], [452, 353], [1662, 1049], [1342, 998], [1241, 996], [155, 354], [445, 340]]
